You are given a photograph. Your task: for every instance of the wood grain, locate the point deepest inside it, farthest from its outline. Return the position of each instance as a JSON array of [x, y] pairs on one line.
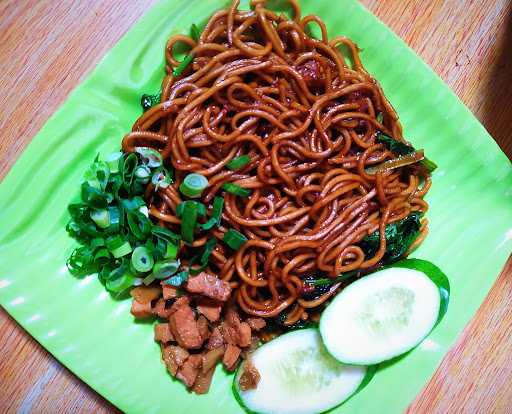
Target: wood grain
[[48, 47]]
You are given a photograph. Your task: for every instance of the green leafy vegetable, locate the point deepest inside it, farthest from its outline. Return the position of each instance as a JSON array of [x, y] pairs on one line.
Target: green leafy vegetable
[[398, 147], [399, 237], [236, 189], [401, 148]]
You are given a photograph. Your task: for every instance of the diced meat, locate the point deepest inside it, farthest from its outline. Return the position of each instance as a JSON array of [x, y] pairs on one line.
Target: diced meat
[[256, 323], [169, 292], [231, 356], [211, 358], [209, 308], [311, 73], [182, 301], [244, 335], [202, 326], [145, 294], [163, 333], [141, 310], [229, 326], [203, 381], [210, 286], [189, 370], [234, 331], [162, 309], [250, 377], [174, 357], [216, 339], [184, 328]]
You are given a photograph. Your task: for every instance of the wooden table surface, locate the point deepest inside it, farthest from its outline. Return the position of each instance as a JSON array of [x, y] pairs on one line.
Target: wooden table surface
[[47, 47]]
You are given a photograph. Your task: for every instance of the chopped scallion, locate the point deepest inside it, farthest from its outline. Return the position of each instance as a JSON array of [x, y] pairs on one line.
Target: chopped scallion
[[112, 161], [193, 185], [236, 189], [238, 162], [166, 268], [234, 239], [142, 261], [178, 279], [101, 218], [182, 66], [214, 220], [188, 220], [150, 157]]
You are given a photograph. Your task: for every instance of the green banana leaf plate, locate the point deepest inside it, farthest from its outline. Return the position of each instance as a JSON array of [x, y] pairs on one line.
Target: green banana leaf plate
[[95, 335]]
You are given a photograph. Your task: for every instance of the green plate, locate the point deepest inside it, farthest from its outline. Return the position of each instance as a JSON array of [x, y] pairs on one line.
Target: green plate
[[95, 336]]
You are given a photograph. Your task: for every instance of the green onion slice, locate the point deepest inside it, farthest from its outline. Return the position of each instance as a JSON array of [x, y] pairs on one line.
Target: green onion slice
[[139, 224], [165, 234], [112, 161], [166, 268], [182, 66], [236, 190], [214, 220], [193, 185], [97, 175], [101, 218], [178, 279], [142, 261], [234, 239], [161, 179], [127, 169], [118, 247], [148, 279], [143, 173], [201, 209], [194, 32], [150, 157], [238, 162], [120, 284], [189, 213], [171, 251]]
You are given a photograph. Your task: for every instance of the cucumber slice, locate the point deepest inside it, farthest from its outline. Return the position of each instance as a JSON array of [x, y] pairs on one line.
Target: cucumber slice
[[385, 314], [298, 376]]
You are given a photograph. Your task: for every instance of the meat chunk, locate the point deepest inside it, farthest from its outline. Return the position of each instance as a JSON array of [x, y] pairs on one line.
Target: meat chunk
[[211, 358], [145, 294], [184, 328], [256, 323], [202, 326], [209, 308], [141, 310], [189, 370], [162, 309], [234, 331], [203, 381], [182, 301], [169, 292], [249, 378], [231, 356], [216, 339], [174, 357], [163, 333], [210, 286]]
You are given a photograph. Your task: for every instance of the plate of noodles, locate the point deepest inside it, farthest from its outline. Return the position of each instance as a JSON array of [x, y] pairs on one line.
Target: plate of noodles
[[254, 205]]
